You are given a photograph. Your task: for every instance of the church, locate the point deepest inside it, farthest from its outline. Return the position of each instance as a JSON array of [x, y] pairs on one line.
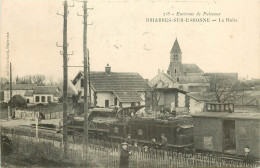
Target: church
[[182, 87], [177, 68], [186, 77]]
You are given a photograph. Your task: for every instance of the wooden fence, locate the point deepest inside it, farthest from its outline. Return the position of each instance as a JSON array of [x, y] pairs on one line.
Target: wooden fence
[[101, 155], [32, 114], [53, 115], [26, 114]]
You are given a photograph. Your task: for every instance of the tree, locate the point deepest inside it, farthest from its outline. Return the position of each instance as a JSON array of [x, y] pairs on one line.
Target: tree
[[224, 90], [24, 80], [39, 79], [17, 101]]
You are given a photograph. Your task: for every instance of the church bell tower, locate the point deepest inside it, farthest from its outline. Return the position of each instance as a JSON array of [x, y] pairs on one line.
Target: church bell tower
[[175, 66]]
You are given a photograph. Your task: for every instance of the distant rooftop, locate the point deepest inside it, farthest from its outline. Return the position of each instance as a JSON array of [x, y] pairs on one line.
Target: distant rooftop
[[21, 86], [46, 90]]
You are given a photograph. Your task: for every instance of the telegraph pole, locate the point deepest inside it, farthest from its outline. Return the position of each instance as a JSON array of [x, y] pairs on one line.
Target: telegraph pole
[[11, 93], [85, 53], [11, 86], [65, 78], [89, 80]]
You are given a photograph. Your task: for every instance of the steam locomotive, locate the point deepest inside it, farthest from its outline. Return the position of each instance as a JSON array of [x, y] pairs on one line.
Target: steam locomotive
[[124, 125]]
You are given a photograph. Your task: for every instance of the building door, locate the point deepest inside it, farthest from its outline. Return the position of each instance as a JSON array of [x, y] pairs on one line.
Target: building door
[[229, 136], [106, 103]]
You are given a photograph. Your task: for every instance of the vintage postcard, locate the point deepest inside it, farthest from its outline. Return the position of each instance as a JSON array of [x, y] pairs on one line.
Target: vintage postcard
[[129, 83]]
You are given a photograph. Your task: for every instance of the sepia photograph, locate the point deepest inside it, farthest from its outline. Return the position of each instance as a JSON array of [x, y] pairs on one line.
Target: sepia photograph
[[129, 83]]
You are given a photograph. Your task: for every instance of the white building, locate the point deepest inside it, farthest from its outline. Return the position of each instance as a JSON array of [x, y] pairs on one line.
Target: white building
[[45, 94], [17, 89], [114, 88]]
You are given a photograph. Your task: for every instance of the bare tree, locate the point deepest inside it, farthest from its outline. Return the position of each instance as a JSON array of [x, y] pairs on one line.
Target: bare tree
[[223, 90], [24, 80], [39, 79]]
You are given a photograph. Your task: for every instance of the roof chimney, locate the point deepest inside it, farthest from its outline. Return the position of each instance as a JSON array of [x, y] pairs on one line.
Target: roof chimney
[[159, 71], [108, 69]]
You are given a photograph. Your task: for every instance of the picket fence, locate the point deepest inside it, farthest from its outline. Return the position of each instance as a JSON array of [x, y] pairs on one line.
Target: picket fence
[[100, 155], [53, 115], [26, 114]]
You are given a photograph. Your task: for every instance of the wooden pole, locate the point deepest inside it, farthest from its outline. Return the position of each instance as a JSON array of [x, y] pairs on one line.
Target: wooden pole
[[11, 90], [65, 78], [85, 81], [36, 126], [89, 80], [11, 86], [0, 146]]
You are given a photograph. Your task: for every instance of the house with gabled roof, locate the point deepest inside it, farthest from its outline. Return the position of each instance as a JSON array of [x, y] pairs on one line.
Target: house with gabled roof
[[114, 88], [17, 89]]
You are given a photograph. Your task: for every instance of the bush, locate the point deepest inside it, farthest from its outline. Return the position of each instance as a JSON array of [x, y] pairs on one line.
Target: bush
[[17, 101]]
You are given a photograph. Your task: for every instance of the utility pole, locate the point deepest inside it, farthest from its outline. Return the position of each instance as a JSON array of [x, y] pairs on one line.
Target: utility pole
[[85, 53], [10, 111], [11, 86], [89, 80], [65, 78], [65, 75], [86, 77]]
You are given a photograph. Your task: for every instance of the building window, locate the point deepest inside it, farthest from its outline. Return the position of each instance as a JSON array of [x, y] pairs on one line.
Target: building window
[[106, 103], [82, 82], [175, 70], [28, 100], [49, 98], [175, 57], [120, 104], [115, 101], [43, 98], [37, 98], [133, 104]]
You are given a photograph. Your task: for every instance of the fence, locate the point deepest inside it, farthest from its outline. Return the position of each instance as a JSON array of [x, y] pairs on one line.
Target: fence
[[53, 115], [26, 114], [101, 155]]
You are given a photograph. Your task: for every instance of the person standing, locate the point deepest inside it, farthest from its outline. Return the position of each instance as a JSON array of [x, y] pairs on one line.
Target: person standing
[[124, 156]]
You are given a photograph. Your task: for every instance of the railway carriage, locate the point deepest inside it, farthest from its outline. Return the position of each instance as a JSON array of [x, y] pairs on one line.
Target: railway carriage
[[221, 130]]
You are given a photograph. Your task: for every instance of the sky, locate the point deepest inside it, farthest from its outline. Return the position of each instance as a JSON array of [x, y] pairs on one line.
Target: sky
[[121, 37]]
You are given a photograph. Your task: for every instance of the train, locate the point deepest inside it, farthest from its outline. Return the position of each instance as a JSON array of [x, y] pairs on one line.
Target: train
[[124, 125], [216, 130]]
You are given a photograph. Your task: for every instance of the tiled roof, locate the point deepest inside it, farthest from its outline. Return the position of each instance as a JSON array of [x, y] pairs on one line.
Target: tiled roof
[[21, 86], [191, 68], [116, 81], [29, 93], [128, 96], [176, 47], [46, 90]]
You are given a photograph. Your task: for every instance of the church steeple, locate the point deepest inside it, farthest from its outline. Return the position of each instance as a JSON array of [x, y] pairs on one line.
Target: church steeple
[[175, 66], [176, 48]]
